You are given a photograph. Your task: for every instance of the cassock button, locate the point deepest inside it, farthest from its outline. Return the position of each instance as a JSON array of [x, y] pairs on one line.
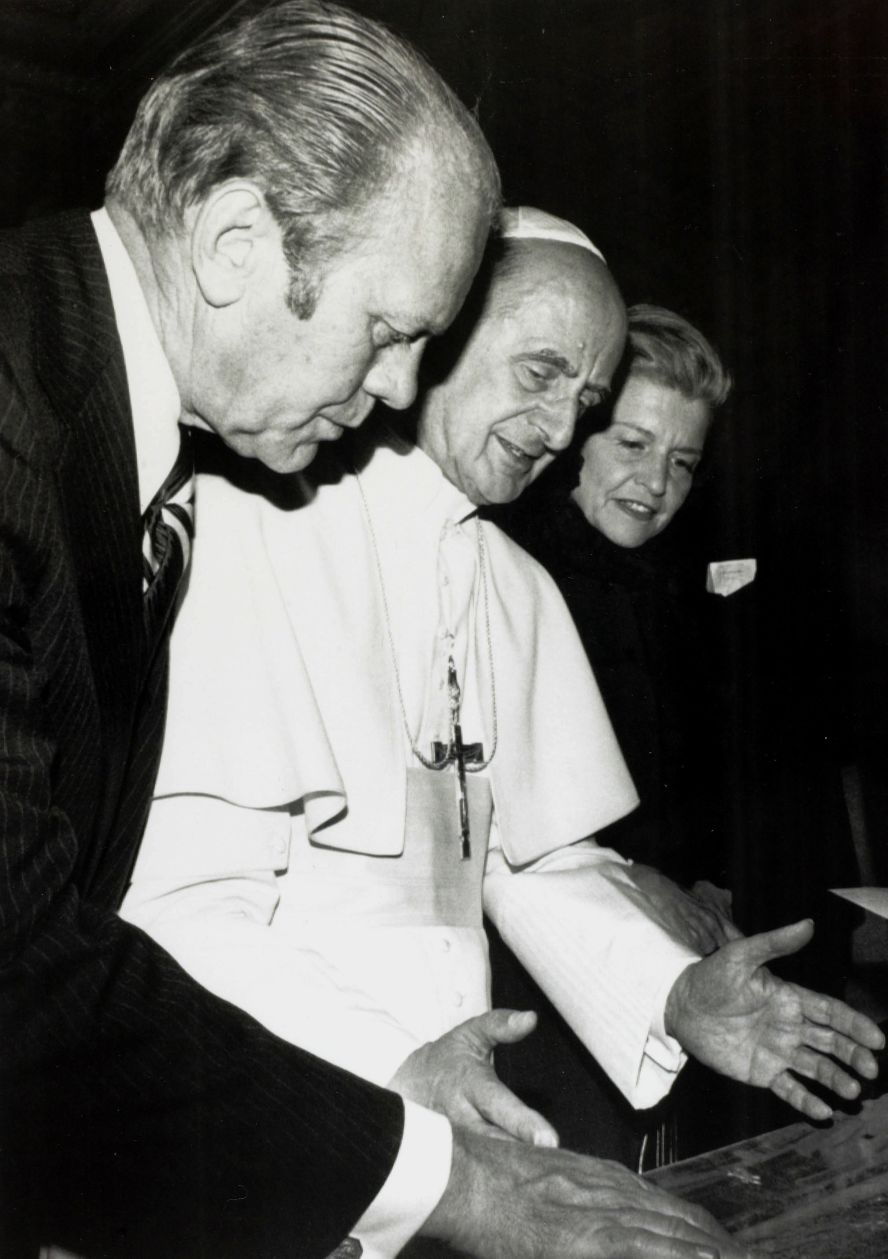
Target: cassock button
[[445, 945], [351, 1248], [458, 999]]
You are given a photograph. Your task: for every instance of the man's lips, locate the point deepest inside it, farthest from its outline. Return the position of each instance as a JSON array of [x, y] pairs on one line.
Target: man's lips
[[354, 414], [326, 430], [332, 427], [517, 454]]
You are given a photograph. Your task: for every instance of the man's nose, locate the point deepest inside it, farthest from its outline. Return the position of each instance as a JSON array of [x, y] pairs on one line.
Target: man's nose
[[653, 473], [557, 423], [392, 379]]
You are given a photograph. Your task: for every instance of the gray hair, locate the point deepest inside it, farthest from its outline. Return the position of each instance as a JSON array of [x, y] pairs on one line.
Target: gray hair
[[318, 105], [665, 347]]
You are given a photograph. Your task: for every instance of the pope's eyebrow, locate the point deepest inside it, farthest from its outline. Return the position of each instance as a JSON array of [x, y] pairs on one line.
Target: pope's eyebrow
[[556, 359]]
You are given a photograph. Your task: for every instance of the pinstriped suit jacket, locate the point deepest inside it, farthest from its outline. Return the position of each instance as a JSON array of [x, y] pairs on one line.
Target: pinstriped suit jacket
[[138, 1114]]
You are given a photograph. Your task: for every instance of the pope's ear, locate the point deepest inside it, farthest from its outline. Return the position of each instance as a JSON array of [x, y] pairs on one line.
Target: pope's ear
[[231, 232]]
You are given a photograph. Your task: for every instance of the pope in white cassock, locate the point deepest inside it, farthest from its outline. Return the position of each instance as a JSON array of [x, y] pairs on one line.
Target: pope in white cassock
[[382, 723]]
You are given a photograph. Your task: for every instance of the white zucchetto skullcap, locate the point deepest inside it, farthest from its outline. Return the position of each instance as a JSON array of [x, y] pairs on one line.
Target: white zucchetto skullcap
[[525, 222]]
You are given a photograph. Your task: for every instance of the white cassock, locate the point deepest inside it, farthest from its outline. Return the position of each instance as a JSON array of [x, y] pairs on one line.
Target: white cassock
[[301, 862]]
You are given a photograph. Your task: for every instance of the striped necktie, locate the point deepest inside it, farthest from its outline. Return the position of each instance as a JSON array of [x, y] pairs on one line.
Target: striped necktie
[[168, 529]]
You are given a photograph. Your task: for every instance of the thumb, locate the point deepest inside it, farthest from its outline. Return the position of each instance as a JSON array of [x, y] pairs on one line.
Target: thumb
[[499, 1027], [763, 948]]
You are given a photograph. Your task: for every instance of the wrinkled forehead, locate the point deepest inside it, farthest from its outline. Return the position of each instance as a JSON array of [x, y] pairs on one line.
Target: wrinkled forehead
[[548, 290]]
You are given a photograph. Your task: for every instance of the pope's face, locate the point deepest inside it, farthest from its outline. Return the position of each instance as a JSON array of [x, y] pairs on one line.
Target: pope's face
[[274, 385], [543, 352], [637, 473]]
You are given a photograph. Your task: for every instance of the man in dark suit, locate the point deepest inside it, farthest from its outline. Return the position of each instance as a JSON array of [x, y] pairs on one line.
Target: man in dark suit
[[300, 203]]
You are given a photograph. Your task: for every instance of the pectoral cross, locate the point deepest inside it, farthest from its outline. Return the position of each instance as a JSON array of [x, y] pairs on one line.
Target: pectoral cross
[[459, 754]]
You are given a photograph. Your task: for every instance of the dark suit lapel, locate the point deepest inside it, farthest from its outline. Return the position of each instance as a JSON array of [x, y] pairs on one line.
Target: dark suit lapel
[[80, 365]]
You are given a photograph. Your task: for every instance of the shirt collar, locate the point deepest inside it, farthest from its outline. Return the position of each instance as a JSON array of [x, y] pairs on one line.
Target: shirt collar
[[154, 398]]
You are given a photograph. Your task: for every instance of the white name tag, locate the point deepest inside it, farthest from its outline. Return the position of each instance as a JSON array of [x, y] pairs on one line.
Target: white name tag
[[724, 577]]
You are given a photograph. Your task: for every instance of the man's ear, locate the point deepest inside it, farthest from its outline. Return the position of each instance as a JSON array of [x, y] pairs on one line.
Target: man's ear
[[231, 233]]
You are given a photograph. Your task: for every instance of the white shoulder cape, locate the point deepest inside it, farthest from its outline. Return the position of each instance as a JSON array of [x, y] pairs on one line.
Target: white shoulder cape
[[282, 687]]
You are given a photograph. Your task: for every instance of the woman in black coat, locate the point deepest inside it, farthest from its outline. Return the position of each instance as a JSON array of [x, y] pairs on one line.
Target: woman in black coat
[[636, 610]]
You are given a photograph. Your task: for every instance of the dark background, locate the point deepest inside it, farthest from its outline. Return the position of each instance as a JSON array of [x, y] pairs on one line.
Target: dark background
[[729, 157]]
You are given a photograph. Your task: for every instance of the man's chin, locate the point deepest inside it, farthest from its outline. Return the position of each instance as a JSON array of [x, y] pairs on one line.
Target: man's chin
[[497, 493], [290, 452], [292, 459]]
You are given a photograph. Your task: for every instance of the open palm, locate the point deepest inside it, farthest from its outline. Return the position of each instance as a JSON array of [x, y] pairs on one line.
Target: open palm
[[734, 1015]]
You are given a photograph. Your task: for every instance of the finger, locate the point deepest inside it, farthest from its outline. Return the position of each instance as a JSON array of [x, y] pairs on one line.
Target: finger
[[782, 941], [643, 1244], [706, 936], [700, 923], [827, 1041], [669, 1237], [826, 1072], [663, 1207], [794, 1093], [828, 1011], [718, 898], [469, 1117], [711, 932], [730, 930], [497, 1027], [715, 931], [499, 1106]]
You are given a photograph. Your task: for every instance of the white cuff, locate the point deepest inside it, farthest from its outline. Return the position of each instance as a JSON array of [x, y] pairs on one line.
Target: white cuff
[[662, 1048], [414, 1186]]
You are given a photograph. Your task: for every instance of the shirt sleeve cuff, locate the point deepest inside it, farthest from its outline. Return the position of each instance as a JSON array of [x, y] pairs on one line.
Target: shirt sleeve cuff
[[663, 1048], [413, 1188]]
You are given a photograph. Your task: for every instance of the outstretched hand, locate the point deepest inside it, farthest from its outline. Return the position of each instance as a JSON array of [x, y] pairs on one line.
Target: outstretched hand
[[732, 1014], [454, 1075], [510, 1201]]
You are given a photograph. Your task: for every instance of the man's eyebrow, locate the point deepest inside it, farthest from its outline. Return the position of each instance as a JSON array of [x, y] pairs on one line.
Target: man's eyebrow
[[404, 328], [556, 359], [416, 327], [409, 326]]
